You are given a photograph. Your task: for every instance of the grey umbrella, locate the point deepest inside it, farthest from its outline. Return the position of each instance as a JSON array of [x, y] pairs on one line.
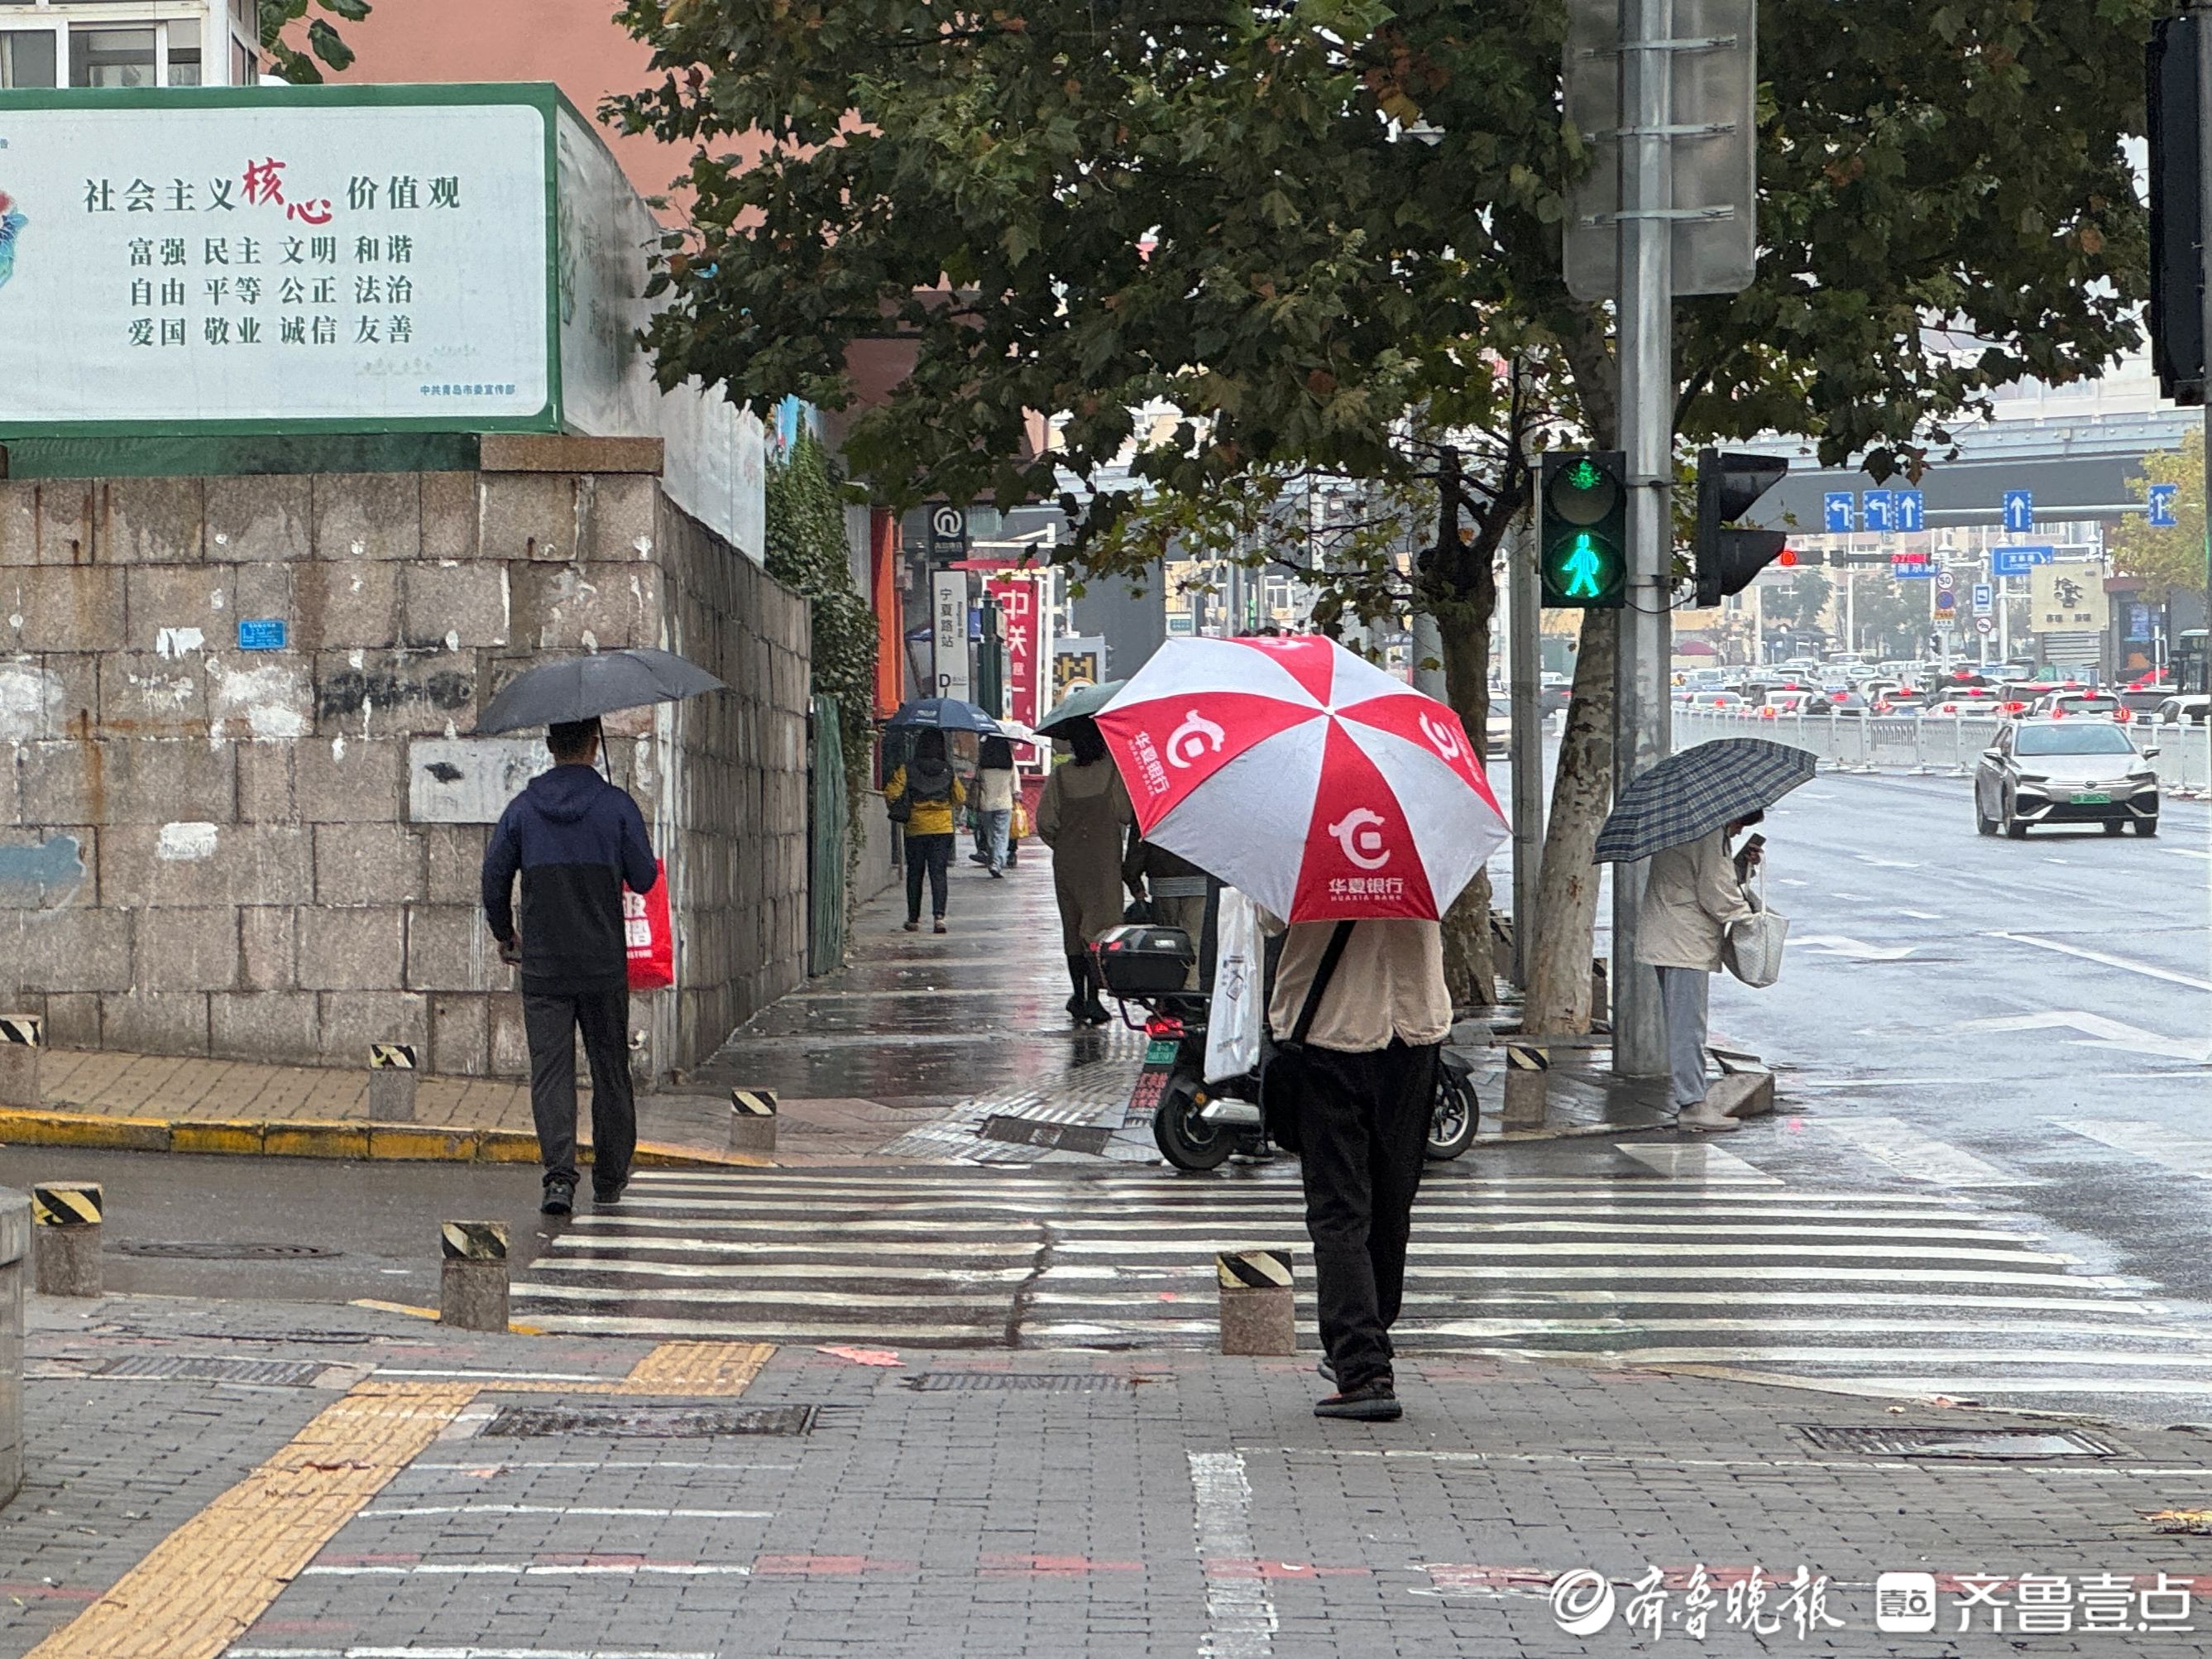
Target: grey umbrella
[[1083, 700], [942, 714], [1696, 792], [581, 688]]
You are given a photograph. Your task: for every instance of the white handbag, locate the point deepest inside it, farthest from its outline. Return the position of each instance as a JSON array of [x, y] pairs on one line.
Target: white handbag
[[1752, 949], [1239, 1010]]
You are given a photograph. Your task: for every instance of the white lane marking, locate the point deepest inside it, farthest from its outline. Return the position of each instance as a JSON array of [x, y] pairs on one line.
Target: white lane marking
[[533, 1569], [1922, 915], [2177, 1148], [2097, 1032], [2091, 1303], [504, 1376], [2186, 852], [1627, 1247], [461, 1653], [1894, 1143], [1778, 1223], [2148, 971], [1630, 1325], [1789, 881], [562, 1509], [1240, 1612], [1951, 1357], [1889, 863], [1694, 1162], [1840, 944]]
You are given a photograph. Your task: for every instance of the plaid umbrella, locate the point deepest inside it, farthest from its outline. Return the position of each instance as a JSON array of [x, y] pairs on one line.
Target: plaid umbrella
[[1695, 792]]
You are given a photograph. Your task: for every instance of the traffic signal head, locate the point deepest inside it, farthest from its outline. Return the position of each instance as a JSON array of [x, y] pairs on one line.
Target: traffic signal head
[[1582, 543], [1728, 560]]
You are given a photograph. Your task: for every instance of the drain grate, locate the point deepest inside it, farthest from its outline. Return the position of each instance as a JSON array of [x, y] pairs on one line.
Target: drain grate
[[1993, 1443], [648, 1422], [1054, 1137], [208, 1250], [1016, 1382], [278, 1373]]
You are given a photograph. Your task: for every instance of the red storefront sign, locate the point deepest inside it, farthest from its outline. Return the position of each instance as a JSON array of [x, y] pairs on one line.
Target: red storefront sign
[[1020, 625]]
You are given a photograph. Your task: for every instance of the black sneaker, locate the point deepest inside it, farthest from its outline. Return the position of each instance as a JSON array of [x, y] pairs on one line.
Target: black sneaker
[[1328, 1372], [560, 1196], [610, 1192], [1375, 1400]]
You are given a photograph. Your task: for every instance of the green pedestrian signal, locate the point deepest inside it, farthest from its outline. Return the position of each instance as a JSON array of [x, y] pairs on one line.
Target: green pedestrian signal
[[1583, 543]]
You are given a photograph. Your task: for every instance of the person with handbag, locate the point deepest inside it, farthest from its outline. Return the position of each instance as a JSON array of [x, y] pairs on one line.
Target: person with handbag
[[994, 803], [1084, 816], [923, 794], [1692, 896], [1353, 1088]]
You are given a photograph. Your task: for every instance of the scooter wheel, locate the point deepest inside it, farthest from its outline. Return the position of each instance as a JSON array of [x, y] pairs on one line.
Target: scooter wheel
[[1186, 1139], [1451, 1127]]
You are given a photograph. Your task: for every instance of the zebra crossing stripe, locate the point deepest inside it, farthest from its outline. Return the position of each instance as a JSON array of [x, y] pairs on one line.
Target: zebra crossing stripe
[[24, 1031], [753, 1102], [1252, 1270], [473, 1241], [66, 1204], [391, 1057]]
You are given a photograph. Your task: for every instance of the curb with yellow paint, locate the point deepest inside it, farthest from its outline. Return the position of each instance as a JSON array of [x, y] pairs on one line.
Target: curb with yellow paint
[[308, 1138]]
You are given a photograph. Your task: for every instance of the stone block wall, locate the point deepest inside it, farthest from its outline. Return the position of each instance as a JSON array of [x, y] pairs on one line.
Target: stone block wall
[[208, 850]]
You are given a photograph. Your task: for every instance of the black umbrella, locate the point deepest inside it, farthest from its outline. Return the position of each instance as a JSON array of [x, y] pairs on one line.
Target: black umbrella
[[943, 714], [583, 688], [1693, 794]]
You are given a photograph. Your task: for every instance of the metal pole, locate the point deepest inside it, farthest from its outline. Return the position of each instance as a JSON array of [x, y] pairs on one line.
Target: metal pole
[[1526, 665], [2204, 27], [1647, 409]]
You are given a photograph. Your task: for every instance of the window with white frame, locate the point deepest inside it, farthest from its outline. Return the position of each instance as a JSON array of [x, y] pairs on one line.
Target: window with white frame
[[128, 43]]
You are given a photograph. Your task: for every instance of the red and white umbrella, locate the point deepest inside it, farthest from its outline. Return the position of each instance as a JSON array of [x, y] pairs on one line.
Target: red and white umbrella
[[1312, 781]]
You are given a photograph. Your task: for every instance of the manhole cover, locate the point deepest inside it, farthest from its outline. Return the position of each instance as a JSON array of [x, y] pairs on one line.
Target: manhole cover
[[649, 1422], [206, 1249], [1959, 1442], [278, 1373], [1053, 1137], [1024, 1381]]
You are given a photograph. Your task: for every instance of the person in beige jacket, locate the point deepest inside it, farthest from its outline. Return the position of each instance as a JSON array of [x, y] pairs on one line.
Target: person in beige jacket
[[1691, 894]]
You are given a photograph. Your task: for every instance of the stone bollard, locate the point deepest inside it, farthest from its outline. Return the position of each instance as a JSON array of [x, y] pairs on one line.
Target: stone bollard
[[752, 1120], [391, 1082], [1257, 1304], [1744, 1089], [22, 1037], [1525, 1067], [65, 1237], [472, 1280], [1601, 1002]]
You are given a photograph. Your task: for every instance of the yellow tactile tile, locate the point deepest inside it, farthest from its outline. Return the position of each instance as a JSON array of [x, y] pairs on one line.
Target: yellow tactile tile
[[697, 1367], [205, 1584]]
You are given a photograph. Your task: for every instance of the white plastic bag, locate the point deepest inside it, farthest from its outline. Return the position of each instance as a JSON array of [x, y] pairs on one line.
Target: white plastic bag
[[1239, 1010], [1752, 949]]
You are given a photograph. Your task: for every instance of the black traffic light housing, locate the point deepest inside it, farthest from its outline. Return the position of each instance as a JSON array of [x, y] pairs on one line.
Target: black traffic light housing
[[1581, 550], [1728, 559], [2176, 268]]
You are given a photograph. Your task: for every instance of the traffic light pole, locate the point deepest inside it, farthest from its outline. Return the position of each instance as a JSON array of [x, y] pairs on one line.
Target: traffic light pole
[[2204, 10], [1642, 736], [1527, 658]]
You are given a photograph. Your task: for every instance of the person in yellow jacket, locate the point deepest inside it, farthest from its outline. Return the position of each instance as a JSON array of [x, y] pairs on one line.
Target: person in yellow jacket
[[923, 795]]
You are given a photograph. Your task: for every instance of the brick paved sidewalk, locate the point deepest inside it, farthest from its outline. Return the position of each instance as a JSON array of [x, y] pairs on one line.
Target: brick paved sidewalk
[[358, 1483]]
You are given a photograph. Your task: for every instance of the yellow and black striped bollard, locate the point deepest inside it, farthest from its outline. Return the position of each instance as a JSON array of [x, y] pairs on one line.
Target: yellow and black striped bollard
[[1258, 1306], [472, 1278], [1525, 1067], [752, 1120], [391, 1082], [22, 1037], [65, 1235]]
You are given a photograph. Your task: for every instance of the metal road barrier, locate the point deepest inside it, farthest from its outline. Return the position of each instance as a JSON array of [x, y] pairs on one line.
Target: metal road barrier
[[1942, 745]]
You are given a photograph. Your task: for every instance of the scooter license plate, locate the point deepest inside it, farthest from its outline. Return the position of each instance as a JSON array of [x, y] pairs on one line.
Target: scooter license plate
[[1161, 1051]]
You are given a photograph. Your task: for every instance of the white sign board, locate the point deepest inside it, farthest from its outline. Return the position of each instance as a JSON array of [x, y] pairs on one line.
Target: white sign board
[[949, 607], [243, 261]]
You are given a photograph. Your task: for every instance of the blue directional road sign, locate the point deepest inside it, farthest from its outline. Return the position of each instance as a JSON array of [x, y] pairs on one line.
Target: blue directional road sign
[[2161, 506], [1910, 567], [2019, 510], [1839, 511], [2017, 561], [1880, 506], [1907, 510]]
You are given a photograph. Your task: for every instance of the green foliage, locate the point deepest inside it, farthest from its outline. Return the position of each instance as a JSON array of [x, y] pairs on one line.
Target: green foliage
[[2167, 559], [287, 61], [1799, 601], [1889, 617], [807, 553]]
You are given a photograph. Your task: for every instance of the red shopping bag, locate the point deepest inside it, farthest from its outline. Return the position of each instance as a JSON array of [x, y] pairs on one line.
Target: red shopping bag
[[651, 938]]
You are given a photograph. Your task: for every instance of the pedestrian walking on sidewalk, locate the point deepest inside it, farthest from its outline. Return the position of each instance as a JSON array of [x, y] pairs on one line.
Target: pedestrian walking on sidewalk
[[1081, 816], [994, 803], [923, 795], [1693, 892], [577, 841], [1365, 1067]]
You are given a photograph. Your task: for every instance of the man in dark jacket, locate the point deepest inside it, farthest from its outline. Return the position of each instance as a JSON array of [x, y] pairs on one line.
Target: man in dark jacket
[[577, 841]]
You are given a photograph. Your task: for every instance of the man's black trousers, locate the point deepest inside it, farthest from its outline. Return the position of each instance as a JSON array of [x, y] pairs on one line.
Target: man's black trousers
[[550, 1023], [1364, 1124]]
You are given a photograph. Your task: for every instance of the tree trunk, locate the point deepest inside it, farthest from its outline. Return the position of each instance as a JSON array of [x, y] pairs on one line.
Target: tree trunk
[[1470, 966], [1559, 994]]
